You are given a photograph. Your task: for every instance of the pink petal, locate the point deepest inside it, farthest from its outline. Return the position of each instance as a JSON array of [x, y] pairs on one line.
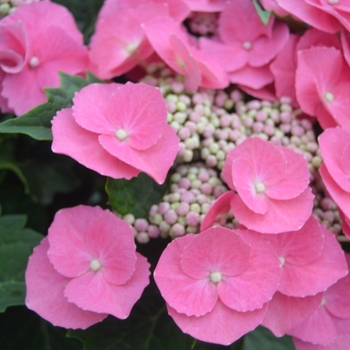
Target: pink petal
[[111, 241], [213, 75], [316, 329], [22, 91], [345, 41], [220, 326], [295, 179], [285, 313], [138, 109], [171, 45], [299, 247], [252, 77], [233, 23], [264, 49], [311, 15], [336, 296], [45, 288], [283, 70], [184, 293], [13, 47], [186, 61], [334, 146], [281, 216], [67, 252], [267, 92], [341, 198], [268, 160], [318, 275], [91, 291], [205, 5], [262, 274], [155, 161], [211, 251], [245, 178], [219, 208], [223, 53], [83, 146]]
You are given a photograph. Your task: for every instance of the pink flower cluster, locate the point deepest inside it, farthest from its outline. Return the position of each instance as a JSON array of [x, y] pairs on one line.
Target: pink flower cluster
[[282, 268], [86, 268]]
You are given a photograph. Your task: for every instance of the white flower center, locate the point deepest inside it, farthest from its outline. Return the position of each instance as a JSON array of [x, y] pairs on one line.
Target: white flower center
[[282, 260], [131, 48], [95, 265], [323, 301], [247, 45], [121, 135], [34, 62], [215, 277], [328, 96], [259, 187], [333, 2]]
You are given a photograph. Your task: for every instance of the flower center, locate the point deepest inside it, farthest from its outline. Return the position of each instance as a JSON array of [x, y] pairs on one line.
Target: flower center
[[323, 301], [282, 260], [95, 265], [121, 134], [333, 2], [328, 96], [259, 187], [131, 48], [215, 277], [34, 62], [247, 45]]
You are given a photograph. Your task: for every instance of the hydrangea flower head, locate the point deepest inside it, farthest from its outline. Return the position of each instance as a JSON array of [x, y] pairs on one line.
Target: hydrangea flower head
[[271, 183], [211, 291], [118, 131], [90, 254]]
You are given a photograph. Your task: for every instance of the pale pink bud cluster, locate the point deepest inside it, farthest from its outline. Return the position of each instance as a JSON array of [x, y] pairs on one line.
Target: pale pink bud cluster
[[192, 191]]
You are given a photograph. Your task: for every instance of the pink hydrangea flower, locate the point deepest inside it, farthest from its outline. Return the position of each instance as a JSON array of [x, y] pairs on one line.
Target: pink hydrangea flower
[[328, 326], [174, 46], [86, 268], [212, 294], [322, 83], [119, 42], [311, 259], [37, 41], [285, 64], [118, 131], [269, 184], [335, 150], [242, 35]]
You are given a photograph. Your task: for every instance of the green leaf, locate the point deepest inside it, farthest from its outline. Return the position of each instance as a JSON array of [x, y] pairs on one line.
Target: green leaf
[[16, 245], [45, 179], [8, 162], [263, 14], [22, 329], [262, 339], [135, 196], [37, 122]]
